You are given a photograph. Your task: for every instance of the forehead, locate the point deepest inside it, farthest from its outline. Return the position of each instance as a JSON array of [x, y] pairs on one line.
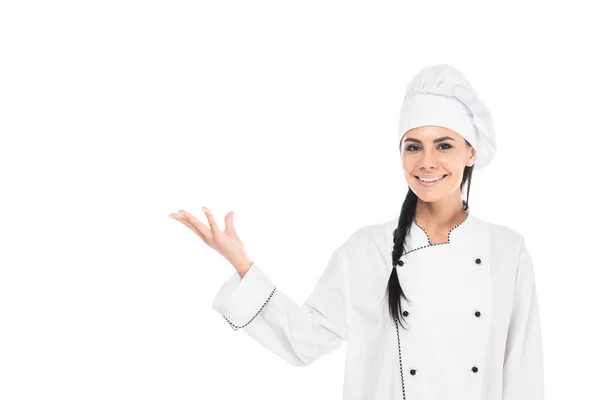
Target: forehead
[[430, 132]]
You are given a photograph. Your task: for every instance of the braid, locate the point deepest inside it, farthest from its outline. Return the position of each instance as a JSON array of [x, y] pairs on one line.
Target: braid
[[394, 290]]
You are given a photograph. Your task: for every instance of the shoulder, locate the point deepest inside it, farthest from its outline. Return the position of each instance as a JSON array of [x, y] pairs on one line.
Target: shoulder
[[502, 236], [379, 235]]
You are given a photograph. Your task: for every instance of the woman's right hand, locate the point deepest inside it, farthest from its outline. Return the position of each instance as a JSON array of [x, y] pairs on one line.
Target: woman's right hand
[[226, 243]]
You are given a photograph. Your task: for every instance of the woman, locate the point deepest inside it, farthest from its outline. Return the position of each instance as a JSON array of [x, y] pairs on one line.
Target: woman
[[461, 320]]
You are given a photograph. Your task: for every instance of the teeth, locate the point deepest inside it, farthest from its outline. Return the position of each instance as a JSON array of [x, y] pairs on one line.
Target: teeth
[[430, 179]]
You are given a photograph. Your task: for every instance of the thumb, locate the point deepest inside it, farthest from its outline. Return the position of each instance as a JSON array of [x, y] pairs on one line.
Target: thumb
[[229, 222], [230, 229]]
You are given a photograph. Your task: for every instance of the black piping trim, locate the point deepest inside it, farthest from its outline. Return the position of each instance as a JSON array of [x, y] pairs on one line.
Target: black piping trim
[[235, 327], [429, 240], [400, 355]]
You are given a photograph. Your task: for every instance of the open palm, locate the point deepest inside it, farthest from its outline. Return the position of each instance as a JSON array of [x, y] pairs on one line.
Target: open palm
[[227, 242]]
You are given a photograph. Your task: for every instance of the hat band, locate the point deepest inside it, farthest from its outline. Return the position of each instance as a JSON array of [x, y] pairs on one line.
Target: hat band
[[421, 109]]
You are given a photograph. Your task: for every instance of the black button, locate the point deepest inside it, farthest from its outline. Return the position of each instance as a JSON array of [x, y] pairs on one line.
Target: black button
[[405, 313], [412, 371], [478, 261], [474, 369], [477, 313], [401, 263]]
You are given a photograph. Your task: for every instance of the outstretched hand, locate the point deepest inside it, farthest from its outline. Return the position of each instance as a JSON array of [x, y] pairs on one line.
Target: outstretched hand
[[227, 243]]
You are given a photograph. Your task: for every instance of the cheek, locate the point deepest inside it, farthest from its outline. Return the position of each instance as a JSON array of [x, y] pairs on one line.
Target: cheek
[[408, 167], [453, 164], [456, 175]]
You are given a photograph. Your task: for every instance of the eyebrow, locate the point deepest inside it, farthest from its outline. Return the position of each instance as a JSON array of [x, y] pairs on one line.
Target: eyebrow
[[440, 139]]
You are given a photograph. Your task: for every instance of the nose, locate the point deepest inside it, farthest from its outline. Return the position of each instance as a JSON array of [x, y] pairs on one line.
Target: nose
[[429, 160]]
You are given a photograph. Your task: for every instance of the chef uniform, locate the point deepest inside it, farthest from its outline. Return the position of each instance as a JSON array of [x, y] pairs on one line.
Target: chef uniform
[[471, 322]]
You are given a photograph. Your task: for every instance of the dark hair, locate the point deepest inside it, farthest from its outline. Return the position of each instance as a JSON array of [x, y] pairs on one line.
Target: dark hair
[[407, 214]]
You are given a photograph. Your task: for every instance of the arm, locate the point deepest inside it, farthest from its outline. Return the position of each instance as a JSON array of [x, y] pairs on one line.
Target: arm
[[523, 357], [298, 334]]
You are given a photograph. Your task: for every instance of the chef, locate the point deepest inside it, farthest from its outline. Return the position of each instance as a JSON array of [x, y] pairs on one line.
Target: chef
[[435, 304]]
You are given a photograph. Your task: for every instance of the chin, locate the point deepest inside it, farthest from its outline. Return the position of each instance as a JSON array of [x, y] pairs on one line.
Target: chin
[[430, 197]]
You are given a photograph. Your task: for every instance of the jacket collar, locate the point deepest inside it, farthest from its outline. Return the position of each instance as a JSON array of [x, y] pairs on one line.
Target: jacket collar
[[418, 237]]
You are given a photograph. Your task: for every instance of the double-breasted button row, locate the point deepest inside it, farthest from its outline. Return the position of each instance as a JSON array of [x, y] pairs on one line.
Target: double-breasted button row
[[406, 313], [414, 371], [477, 314], [477, 261]]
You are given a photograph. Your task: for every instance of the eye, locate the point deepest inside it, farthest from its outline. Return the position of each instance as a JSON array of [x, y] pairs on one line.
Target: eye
[[410, 146]]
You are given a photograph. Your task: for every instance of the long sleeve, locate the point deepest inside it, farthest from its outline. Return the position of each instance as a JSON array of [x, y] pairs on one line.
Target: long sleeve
[[523, 358], [299, 334]]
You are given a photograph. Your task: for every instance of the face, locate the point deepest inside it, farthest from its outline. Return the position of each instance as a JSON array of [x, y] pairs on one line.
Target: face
[[431, 152]]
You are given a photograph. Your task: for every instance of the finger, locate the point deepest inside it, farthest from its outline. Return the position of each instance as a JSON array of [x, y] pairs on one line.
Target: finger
[[184, 220], [187, 223], [199, 225], [211, 220], [230, 228], [229, 222]]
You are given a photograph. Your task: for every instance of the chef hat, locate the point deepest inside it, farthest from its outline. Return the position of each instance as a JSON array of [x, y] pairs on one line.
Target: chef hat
[[441, 95]]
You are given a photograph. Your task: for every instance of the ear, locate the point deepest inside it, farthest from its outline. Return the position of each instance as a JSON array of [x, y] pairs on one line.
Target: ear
[[472, 157]]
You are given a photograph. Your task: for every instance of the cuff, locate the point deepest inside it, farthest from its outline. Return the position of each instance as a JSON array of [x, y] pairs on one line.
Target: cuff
[[239, 300]]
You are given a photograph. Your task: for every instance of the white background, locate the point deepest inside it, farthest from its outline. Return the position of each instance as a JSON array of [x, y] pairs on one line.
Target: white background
[[114, 114]]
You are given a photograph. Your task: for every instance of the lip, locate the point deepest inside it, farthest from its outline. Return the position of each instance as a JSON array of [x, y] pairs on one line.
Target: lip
[[430, 184]]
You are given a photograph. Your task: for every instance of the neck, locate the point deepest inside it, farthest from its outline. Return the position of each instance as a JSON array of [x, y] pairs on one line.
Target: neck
[[437, 218]]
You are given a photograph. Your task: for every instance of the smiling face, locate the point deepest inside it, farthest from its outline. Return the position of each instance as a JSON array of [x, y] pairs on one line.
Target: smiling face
[[430, 152]]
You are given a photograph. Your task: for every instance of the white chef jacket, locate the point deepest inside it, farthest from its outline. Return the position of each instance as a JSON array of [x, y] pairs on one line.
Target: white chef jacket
[[473, 328]]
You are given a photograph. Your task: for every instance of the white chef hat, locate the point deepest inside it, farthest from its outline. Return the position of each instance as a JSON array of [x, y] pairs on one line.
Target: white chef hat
[[441, 95]]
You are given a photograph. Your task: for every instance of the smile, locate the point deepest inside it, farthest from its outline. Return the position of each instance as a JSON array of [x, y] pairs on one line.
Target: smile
[[429, 182]]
